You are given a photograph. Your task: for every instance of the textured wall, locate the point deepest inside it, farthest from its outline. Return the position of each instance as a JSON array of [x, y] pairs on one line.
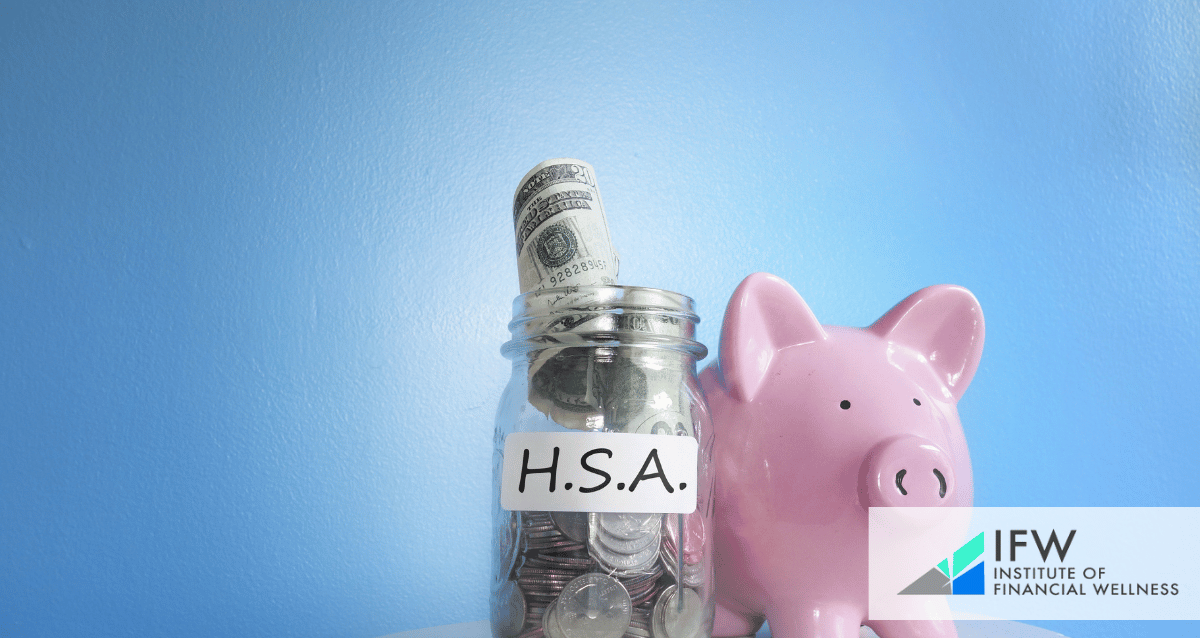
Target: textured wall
[[256, 264]]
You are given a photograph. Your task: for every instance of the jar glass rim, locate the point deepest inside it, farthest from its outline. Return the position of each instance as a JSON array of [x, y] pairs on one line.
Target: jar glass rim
[[534, 311], [548, 300]]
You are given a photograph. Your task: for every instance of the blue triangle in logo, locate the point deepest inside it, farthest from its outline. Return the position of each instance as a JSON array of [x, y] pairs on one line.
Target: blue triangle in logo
[[971, 582]]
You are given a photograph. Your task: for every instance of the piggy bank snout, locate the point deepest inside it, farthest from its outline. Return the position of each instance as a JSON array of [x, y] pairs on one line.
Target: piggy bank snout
[[907, 471]]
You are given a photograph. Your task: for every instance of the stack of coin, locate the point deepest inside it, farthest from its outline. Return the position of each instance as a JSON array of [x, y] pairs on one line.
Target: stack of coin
[[692, 573], [561, 588], [549, 560], [639, 623], [678, 615], [625, 543], [642, 595], [507, 536], [590, 606], [509, 613]]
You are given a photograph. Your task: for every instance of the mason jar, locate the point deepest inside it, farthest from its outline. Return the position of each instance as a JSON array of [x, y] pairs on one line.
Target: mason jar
[[602, 469]]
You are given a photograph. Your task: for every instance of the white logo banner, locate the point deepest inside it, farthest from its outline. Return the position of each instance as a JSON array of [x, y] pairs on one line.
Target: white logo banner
[[1034, 563]]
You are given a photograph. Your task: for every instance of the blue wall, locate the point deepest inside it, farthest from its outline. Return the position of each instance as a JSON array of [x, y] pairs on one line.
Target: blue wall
[[256, 264]]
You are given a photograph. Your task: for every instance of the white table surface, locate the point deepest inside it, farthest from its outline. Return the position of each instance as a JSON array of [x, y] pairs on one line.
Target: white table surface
[[971, 629]]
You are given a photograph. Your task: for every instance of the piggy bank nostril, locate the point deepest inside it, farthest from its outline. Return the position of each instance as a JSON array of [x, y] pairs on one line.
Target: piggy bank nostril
[[941, 483], [899, 481]]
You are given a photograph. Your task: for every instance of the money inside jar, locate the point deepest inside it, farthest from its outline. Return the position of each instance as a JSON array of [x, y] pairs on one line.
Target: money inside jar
[[595, 357]]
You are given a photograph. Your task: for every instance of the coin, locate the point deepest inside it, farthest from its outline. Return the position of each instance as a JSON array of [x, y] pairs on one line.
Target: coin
[[625, 542], [693, 536], [593, 606], [550, 626], [560, 562], [553, 544], [694, 570], [675, 619], [637, 632], [625, 563], [691, 576], [574, 525], [507, 538], [623, 546], [642, 589], [629, 526], [510, 610]]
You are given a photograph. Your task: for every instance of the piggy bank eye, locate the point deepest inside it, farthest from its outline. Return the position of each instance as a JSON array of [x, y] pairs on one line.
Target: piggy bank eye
[[845, 405], [917, 401]]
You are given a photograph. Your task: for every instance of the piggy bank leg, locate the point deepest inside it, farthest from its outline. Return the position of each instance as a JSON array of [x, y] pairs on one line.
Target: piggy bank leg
[[913, 628], [811, 621], [728, 623]]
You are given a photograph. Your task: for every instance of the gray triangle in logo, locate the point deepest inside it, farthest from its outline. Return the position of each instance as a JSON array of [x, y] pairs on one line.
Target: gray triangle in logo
[[933, 582]]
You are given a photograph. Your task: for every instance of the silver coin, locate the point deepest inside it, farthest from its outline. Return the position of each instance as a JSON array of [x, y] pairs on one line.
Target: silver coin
[[671, 619], [550, 545], [561, 562], [573, 524], [630, 526], [507, 538], [637, 632], [694, 575], [623, 546], [594, 606], [693, 535], [648, 594], [642, 581], [509, 616], [641, 619], [550, 626], [624, 562]]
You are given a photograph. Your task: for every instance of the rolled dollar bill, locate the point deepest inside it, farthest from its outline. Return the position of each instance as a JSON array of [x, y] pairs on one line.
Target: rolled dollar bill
[[563, 242], [561, 232]]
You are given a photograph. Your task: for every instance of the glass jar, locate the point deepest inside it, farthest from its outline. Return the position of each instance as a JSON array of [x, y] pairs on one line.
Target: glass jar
[[602, 464]]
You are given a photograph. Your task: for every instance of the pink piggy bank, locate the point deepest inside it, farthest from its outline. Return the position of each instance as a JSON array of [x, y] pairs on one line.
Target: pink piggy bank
[[814, 424]]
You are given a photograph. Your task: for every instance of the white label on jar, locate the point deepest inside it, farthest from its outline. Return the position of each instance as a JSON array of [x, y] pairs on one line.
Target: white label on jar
[[599, 472]]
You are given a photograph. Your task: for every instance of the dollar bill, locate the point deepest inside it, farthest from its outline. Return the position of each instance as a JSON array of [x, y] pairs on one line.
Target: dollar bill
[[606, 388], [561, 231], [563, 243]]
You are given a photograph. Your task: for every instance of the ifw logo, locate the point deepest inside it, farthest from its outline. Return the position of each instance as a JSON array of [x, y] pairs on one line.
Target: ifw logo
[[963, 580]]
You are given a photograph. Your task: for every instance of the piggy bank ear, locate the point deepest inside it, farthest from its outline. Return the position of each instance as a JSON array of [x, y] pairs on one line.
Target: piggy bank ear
[[764, 316], [945, 325]]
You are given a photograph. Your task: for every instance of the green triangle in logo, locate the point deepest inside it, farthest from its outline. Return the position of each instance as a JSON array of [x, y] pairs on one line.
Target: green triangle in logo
[[944, 566], [965, 555]]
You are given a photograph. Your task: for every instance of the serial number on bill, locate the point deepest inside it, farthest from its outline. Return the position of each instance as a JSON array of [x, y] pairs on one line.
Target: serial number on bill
[[578, 268]]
